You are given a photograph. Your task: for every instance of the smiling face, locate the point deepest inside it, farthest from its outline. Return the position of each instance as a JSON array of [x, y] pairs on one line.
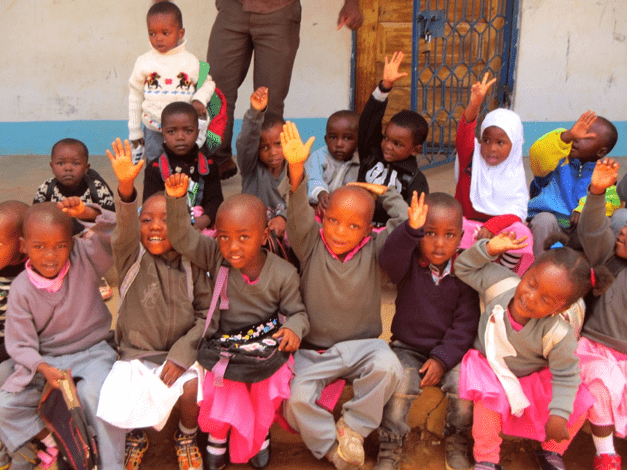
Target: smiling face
[[341, 137], [48, 245], [495, 146], [442, 235], [180, 132], [270, 150], [164, 32], [152, 226], [398, 143], [69, 165]]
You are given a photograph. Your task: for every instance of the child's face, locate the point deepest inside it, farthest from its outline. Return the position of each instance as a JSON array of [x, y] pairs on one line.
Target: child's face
[[495, 146], [9, 243], [152, 226], [180, 132], [592, 148], [621, 243], [270, 150], [341, 138], [48, 245], [346, 222], [542, 292], [398, 143], [69, 165], [442, 235], [163, 32]]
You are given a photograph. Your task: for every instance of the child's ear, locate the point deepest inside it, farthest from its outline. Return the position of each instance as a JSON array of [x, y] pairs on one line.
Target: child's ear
[[23, 245], [181, 33], [369, 229], [602, 152], [265, 235], [416, 150]]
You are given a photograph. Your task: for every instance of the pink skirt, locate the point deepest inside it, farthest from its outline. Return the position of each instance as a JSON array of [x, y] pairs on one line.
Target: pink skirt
[[518, 228], [247, 409], [478, 382], [599, 362]]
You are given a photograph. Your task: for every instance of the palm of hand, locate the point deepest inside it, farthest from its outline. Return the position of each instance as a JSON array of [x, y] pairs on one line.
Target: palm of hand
[[125, 169], [176, 187], [294, 151], [604, 176]]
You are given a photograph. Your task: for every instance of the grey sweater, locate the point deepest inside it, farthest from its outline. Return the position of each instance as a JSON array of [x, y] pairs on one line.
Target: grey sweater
[[476, 268], [606, 323]]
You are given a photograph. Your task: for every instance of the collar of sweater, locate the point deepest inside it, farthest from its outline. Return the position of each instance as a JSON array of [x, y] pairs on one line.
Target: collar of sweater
[[179, 48]]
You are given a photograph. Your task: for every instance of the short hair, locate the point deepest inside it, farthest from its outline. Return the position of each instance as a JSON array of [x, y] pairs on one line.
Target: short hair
[[166, 8], [152, 196], [270, 120], [179, 107], [343, 114], [248, 202], [356, 191], [47, 213], [445, 201], [611, 133], [71, 141], [414, 122], [13, 212]]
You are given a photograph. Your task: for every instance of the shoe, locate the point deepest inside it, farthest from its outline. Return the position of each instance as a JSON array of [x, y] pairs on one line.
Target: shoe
[[338, 462], [216, 456], [607, 462], [456, 453], [136, 447], [487, 466], [105, 289], [389, 457], [549, 460], [228, 169], [187, 451], [350, 444], [262, 458]]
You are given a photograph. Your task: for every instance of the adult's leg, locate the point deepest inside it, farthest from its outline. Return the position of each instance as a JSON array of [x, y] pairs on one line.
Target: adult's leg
[[541, 226]]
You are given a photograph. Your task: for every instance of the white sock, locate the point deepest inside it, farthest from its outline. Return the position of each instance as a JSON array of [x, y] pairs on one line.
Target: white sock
[[185, 430], [604, 445], [215, 440], [49, 441]]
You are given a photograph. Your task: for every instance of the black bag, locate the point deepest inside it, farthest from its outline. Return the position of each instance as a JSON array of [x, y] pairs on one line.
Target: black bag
[[63, 415]]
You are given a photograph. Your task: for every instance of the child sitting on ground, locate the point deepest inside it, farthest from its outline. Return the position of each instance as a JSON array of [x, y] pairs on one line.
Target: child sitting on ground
[[491, 182], [161, 316], [434, 325], [260, 158], [602, 349], [56, 320], [523, 375], [259, 285], [180, 131], [390, 159], [336, 163], [341, 286], [165, 74], [562, 162]]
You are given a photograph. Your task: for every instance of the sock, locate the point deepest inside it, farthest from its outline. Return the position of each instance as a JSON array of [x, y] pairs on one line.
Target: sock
[[216, 446], [49, 441], [185, 430], [604, 445], [510, 260]]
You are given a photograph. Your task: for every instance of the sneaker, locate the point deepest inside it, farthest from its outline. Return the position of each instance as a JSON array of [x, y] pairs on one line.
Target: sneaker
[[607, 462], [549, 460], [456, 453], [389, 457], [136, 447], [216, 456], [105, 289], [350, 444], [187, 451], [227, 169], [487, 466], [262, 458]]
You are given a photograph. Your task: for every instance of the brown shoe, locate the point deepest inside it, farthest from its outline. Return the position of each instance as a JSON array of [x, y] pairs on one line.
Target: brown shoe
[[228, 169]]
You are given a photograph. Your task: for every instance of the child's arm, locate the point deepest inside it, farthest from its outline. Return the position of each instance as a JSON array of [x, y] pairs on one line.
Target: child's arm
[[396, 209], [291, 305], [594, 230], [247, 144], [314, 167], [184, 238], [202, 97], [135, 100]]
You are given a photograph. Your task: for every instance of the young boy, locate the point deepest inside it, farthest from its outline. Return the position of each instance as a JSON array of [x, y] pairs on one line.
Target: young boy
[[165, 74], [180, 131], [390, 159], [341, 286], [562, 162], [56, 320], [260, 158], [434, 325], [336, 163], [259, 285]]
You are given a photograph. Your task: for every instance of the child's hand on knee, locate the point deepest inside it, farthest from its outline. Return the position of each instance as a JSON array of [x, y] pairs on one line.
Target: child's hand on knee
[[504, 242], [171, 373], [417, 211], [604, 175], [176, 185], [289, 340], [72, 206], [556, 429], [294, 150], [259, 98], [432, 371]]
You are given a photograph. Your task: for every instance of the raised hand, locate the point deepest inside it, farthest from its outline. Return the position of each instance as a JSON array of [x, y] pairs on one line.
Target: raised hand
[[390, 69], [604, 175], [374, 189], [72, 206], [478, 93], [259, 98], [504, 242], [294, 150], [417, 211], [122, 162], [580, 128], [176, 185]]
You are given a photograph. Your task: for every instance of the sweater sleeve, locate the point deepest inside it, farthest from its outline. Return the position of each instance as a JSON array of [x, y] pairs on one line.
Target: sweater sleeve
[[212, 192], [302, 228], [396, 209], [564, 366], [397, 252], [291, 305], [547, 151], [40, 196], [465, 142], [247, 144], [594, 230], [500, 222], [315, 169], [206, 90], [135, 99], [126, 236], [370, 132], [97, 242]]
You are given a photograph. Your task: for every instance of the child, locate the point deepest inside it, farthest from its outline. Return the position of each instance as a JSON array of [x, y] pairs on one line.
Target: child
[[341, 286], [259, 285], [602, 348], [491, 182], [390, 159], [260, 158], [523, 376], [165, 74], [56, 320], [336, 163], [562, 162], [161, 317], [180, 130], [434, 325]]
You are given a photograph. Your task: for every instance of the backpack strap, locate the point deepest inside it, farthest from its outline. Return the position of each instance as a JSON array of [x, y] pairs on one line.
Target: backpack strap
[[219, 290], [164, 167]]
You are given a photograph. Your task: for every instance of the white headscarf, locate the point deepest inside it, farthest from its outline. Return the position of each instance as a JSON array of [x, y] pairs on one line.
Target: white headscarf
[[501, 189]]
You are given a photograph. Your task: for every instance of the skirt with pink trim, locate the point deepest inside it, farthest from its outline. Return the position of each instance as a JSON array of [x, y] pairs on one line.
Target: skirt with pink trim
[[599, 362], [478, 382], [471, 227], [246, 409]]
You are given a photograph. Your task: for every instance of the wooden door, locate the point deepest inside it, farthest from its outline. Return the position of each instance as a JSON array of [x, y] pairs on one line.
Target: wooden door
[[469, 38]]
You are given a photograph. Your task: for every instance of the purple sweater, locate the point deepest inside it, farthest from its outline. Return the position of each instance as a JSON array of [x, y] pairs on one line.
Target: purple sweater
[[438, 321]]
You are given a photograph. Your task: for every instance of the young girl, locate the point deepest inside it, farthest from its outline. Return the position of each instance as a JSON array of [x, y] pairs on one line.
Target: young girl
[[491, 183], [259, 285], [602, 349], [523, 375]]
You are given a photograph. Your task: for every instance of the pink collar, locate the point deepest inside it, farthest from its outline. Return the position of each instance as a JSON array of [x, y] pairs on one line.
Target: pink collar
[[50, 285], [517, 326], [248, 281], [351, 253]]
